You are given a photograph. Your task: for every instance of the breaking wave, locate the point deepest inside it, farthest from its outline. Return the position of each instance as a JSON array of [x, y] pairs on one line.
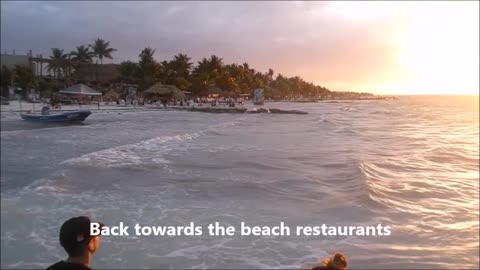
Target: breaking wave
[[144, 153], [137, 154]]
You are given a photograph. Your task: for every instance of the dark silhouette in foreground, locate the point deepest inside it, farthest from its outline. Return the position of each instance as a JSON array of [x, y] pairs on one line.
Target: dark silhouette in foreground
[[75, 238], [337, 262]]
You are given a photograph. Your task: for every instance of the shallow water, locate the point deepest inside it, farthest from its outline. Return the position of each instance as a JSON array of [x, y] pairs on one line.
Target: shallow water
[[411, 163]]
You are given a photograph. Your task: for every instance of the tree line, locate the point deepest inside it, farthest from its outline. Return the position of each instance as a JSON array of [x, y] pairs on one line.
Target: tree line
[[198, 78], [61, 66], [212, 72]]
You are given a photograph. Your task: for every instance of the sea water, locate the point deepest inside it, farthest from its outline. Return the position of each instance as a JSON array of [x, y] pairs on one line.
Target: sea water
[[411, 163]]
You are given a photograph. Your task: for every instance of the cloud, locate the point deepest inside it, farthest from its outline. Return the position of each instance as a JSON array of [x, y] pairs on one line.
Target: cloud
[[330, 43]]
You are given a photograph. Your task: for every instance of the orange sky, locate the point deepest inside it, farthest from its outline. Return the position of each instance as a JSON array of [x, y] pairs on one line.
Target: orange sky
[[391, 47], [435, 45]]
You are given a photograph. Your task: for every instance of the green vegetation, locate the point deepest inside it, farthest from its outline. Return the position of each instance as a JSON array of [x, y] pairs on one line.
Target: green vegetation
[[82, 54], [5, 81], [147, 69], [198, 78], [101, 49], [211, 73], [58, 63], [24, 78]]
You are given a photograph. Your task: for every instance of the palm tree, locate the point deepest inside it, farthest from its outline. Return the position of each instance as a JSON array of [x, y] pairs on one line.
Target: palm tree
[[129, 70], [270, 74], [24, 78], [166, 71], [216, 63], [177, 71], [202, 66], [181, 65], [148, 68], [82, 54], [101, 49], [5, 81], [213, 67], [246, 67], [200, 77], [146, 60], [57, 62]]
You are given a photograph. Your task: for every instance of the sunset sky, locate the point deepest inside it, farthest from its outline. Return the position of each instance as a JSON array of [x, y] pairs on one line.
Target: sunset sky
[[390, 47]]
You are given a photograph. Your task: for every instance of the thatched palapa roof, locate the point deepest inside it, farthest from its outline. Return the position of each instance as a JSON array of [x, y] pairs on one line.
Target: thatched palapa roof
[[80, 89], [215, 91], [159, 89], [112, 94]]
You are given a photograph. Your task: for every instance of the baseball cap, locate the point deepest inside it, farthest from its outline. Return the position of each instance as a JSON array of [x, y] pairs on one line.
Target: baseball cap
[[76, 231]]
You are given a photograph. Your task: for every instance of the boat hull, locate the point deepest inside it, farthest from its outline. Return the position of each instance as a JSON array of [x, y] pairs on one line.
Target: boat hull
[[67, 117]]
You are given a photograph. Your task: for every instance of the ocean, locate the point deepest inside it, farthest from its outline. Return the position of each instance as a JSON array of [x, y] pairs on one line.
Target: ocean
[[411, 163]]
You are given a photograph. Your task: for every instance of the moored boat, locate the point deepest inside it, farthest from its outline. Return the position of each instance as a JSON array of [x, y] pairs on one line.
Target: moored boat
[[65, 117]]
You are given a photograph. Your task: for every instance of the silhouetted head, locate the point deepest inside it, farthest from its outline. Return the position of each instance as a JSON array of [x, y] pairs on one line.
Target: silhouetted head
[[337, 262], [75, 237]]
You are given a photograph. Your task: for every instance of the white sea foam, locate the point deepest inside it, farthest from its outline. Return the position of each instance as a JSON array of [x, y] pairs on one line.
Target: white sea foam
[[396, 169], [143, 153], [137, 154]]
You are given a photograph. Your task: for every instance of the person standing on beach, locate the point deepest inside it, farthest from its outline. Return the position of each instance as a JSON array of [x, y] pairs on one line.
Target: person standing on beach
[[79, 244]]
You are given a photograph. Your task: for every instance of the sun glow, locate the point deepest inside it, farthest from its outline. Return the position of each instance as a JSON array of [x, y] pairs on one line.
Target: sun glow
[[441, 49], [435, 44]]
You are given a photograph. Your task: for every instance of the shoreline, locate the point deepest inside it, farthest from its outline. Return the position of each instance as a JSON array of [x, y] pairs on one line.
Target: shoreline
[[15, 108], [15, 105]]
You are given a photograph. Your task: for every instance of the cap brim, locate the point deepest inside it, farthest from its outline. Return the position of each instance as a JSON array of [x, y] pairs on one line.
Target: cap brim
[[100, 223], [101, 227]]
